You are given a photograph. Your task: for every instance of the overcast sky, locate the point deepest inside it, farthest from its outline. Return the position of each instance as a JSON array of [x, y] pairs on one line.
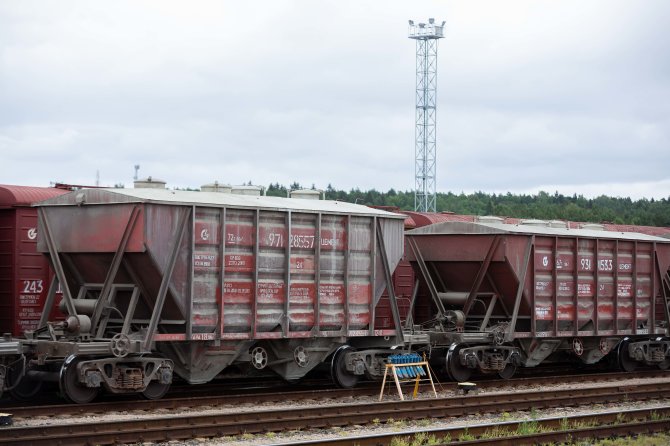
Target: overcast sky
[[568, 96]]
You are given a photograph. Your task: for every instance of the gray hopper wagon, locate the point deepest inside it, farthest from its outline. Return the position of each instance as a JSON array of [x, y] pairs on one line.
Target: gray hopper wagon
[[156, 282]]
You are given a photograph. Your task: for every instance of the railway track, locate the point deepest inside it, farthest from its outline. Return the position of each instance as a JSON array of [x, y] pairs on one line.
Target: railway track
[[259, 395], [184, 426], [553, 430]]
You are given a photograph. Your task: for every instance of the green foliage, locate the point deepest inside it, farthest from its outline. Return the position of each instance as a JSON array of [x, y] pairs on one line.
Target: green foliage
[[528, 428], [565, 424], [423, 439], [466, 436], [400, 441], [496, 432], [276, 190], [541, 206]]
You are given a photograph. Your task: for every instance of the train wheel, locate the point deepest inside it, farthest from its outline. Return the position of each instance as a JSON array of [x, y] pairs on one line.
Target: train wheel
[[456, 371], [70, 387], [665, 365], [338, 370], [625, 362], [155, 390], [508, 371], [23, 388]]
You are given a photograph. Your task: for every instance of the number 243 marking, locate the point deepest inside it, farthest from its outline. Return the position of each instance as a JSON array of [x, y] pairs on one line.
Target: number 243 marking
[[32, 286]]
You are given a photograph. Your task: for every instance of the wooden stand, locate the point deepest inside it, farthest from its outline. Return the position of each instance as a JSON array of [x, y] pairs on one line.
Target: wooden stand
[[394, 372]]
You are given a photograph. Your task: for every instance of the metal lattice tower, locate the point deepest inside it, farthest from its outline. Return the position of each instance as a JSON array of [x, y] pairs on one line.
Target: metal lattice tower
[[426, 36]]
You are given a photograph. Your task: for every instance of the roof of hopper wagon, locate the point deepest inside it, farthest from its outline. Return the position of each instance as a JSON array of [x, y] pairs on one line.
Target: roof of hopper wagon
[[214, 199], [502, 228], [11, 195]]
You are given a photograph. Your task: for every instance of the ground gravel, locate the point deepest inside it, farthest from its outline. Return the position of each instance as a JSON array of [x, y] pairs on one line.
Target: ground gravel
[[382, 426]]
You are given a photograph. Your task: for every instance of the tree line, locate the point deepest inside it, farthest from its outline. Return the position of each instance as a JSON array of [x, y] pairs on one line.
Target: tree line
[[544, 206]]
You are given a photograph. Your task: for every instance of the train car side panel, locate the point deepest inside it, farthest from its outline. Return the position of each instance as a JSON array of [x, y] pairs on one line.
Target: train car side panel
[[24, 272]]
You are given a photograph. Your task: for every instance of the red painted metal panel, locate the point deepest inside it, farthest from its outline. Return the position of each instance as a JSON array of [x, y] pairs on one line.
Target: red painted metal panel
[[253, 299], [428, 218], [32, 273], [7, 267], [403, 285], [24, 273], [239, 272], [93, 229], [13, 196]]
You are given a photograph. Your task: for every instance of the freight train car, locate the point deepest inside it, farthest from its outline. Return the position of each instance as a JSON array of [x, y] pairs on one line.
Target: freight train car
[[157, 282], [24, 273], [494, 296]]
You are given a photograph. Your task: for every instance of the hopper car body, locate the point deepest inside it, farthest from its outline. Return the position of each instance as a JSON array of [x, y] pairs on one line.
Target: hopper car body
[[503, 295], [157, 282]]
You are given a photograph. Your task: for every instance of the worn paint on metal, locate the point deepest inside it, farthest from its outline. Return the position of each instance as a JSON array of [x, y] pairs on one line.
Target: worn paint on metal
[[579, 282], [24, 273], [249, 272]]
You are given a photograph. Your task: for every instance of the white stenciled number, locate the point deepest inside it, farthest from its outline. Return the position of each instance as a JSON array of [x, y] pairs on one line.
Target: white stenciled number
[[32, 286], [586, 264], [275, 239], [301, 241], [605, 264]]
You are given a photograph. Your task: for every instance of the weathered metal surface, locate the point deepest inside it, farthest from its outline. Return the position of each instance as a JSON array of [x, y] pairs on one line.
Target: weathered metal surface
[[238, 269], [24, 273], [420, 219], [403, 284], [578, 282], [14, 196], [190, 198]]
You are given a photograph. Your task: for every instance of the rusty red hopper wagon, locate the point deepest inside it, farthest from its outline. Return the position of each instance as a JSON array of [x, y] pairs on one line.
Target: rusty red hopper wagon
[[515, 294], [159, 281]]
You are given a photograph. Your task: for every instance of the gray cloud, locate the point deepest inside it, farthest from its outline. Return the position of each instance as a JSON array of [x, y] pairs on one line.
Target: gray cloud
[[568, 95]]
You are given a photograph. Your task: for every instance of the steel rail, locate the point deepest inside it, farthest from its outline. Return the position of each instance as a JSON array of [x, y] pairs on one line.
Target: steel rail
[[185, 426], [281, 395], [619, 423]]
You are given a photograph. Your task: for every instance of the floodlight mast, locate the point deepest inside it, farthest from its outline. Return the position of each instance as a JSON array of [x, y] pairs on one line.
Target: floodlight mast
[[426, 36]]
